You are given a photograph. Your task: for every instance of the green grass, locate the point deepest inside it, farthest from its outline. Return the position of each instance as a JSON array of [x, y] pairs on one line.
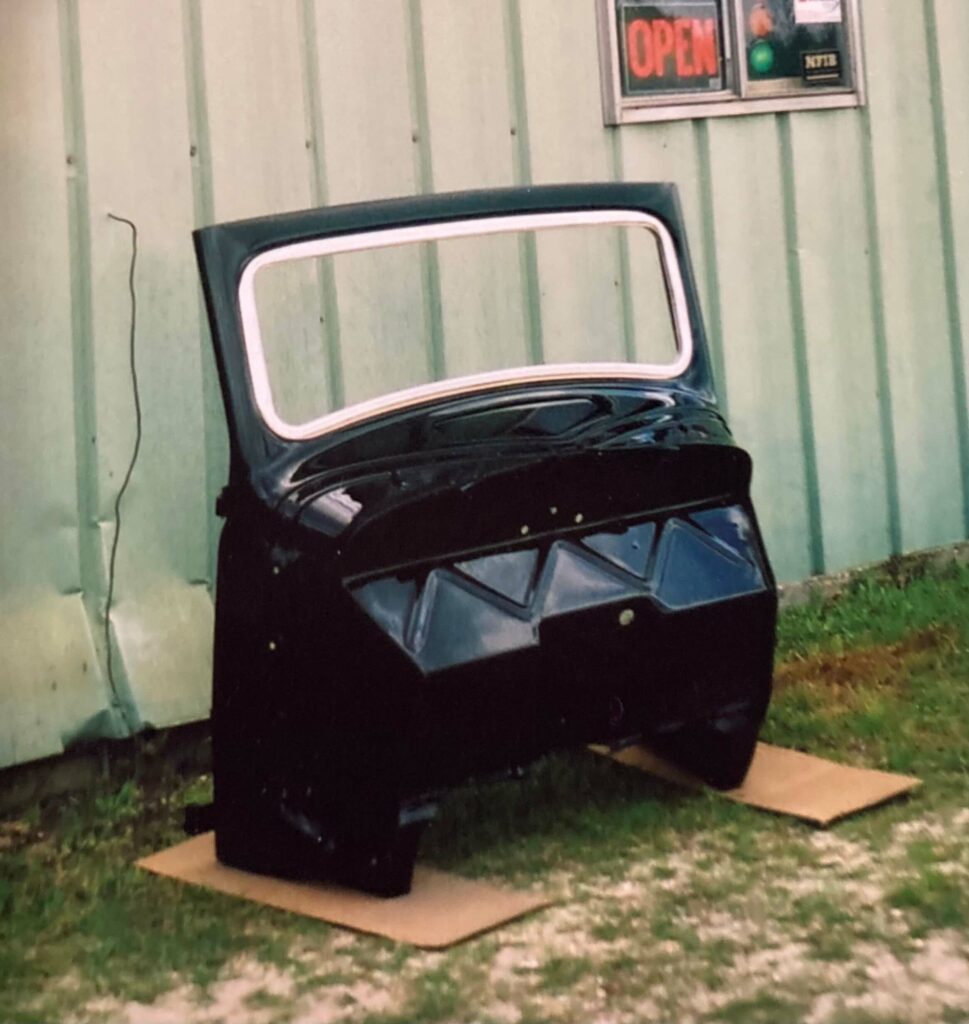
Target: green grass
[[878, 676], [877, 608], [830, 930], [761, 1009], [934, 900], [901, 660], [562, 972], [864, 1017], [75, 908], [436, 996], [263, 1000]]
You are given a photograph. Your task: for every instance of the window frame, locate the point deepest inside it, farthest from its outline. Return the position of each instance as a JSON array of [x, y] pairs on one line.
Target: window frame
[[736, 99], [462, 227]]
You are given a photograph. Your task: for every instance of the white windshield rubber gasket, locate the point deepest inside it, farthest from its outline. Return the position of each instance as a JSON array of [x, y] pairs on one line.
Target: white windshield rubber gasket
[[478, 382]]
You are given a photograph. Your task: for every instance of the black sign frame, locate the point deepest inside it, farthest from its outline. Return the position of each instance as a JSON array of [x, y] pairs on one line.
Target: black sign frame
[[685, 35]]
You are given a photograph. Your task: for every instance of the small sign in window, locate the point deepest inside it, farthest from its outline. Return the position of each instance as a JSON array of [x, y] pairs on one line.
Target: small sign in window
[[817, 12], [821, 67], [674, 46]]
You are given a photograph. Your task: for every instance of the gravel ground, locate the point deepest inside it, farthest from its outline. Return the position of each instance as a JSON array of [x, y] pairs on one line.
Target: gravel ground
[[786, 925]]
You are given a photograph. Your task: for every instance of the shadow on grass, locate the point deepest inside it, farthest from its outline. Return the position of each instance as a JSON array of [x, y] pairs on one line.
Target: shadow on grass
[[572, 807]]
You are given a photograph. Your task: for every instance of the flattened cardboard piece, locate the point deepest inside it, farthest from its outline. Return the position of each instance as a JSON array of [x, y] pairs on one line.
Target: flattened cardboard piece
[[789, 782], [440, 910]]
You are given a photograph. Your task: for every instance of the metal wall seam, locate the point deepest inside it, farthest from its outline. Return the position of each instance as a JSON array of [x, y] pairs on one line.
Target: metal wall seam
[[758, 338], [802, 374], [92, 568], [839, 344], [622, 240], [947, 234], [424, 175], [315, 128], [521, 154], [713, 316], [918, 354], [886, 416], [215, 439]]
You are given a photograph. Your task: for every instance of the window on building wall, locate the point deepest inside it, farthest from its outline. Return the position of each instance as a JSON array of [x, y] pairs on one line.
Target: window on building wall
[[673, 59]]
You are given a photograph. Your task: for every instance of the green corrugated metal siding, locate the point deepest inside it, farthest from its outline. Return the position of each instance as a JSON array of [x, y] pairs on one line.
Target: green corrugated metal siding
[[832, 250]]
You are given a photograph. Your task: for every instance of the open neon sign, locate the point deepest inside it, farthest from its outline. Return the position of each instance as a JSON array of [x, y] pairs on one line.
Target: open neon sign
[[673, 46]]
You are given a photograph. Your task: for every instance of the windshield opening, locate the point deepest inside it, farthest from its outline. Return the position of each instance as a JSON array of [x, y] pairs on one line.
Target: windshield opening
[[342, 329]]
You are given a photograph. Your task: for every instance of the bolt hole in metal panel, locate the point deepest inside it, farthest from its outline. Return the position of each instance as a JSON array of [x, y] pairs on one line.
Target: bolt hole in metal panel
[[540, 536]]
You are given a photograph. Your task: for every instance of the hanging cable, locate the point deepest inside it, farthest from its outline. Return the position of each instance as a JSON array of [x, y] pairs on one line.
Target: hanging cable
[[112, 561]]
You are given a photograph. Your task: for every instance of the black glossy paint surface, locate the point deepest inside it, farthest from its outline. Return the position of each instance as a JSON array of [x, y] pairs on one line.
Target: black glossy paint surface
[[455, 590]]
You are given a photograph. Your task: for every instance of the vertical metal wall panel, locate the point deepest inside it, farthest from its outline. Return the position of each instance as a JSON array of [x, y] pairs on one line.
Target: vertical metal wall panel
[[832, 251], [161, 613], [364, 96], [831, 261], [467, 95], [215, 439], [470, 146], [37, 501], [567, 143], [952, 36], [53, 690], [253, 53], [758, 336], [669, 152], [948, 33], [50, 680], [909, 233], [262, 159], [561, 71], [369, 151], [385, 344]]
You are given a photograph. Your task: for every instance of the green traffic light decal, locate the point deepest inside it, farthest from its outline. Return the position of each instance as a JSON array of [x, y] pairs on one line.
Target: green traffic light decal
[[761, 57]]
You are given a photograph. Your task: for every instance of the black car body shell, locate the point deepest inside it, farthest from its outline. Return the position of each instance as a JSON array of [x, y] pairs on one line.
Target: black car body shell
[[454, 589]]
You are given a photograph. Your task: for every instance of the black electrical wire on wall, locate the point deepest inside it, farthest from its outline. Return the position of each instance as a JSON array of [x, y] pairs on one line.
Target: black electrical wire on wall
[[113, 559]]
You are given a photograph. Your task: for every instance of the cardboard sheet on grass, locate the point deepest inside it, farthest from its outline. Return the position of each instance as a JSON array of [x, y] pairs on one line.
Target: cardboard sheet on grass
[[440, 910], [789, 782]]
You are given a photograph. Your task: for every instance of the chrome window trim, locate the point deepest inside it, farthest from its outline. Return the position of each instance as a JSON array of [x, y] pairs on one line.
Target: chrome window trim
[[410, 397]]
